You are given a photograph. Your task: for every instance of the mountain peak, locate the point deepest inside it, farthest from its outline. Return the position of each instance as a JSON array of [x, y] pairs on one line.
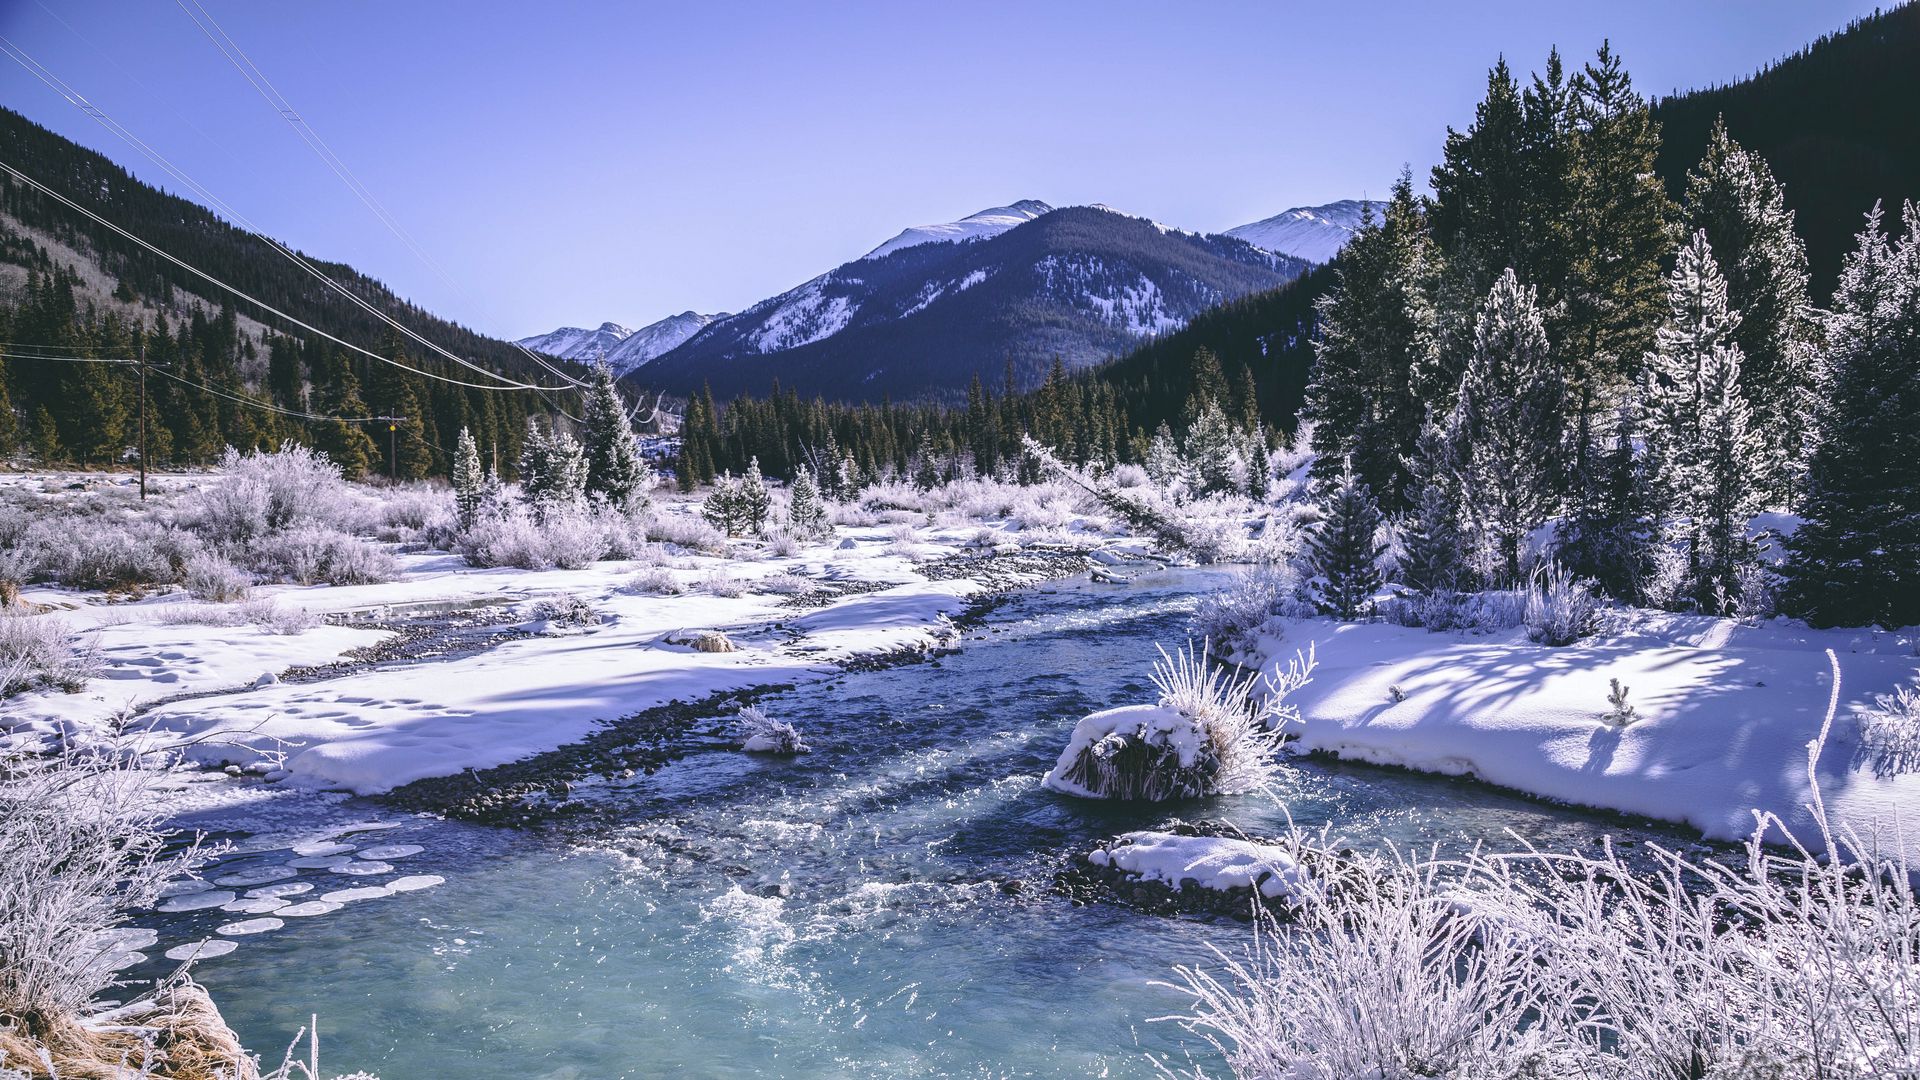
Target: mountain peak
[[1313, 233], [992, 221]]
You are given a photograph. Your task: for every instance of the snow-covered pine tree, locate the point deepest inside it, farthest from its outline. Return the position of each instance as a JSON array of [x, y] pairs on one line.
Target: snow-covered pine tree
[[553, 469], [468, 481], [1213, 448], [1344, 550], [1258, 465], [1605, 534], [1732, 197], [536, 455], [1163, 464], [1432, 546], [614, 471], [926, 465], [722, 506], [1703, 461], [753, 502], [806, 512], [1856, 560], [1506, 425]]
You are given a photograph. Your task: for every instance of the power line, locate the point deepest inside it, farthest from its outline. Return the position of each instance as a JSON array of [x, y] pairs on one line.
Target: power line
[[248, 297], [79, 101], [257, 78]]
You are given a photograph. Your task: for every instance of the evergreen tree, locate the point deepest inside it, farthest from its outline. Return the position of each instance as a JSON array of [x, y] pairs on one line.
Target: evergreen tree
[[1703, 459], [1606, 532], [345, 443], [806, 512], [553, 468], [1733, 198], [926, 470], [614, 471], [1163, 462], [753, 501], [1213, 450], [468, 482], [722, 507], [1856, 560], [1506, 425], [1376, 341], [1344, 550], [1432, 546]]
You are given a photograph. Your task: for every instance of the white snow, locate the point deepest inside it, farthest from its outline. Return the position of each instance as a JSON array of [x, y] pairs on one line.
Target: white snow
[[1158, 724], [989, 222], [1727, 712], [1313, 233], [1208, 862]]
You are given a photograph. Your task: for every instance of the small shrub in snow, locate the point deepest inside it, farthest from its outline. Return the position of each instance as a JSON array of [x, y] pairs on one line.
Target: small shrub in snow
[[782, 544], [262, 494], [686, 531], [209, 577], [722, 585], [761, 734], [1560, 609], [319, 555], [655, 581], [784, 585], [1620, 711], [112, 554], [706, 641], [565, 610], [852, 515], [1232, 614], [284, 619], [1890, 730], [1205, 737], [36, 651]]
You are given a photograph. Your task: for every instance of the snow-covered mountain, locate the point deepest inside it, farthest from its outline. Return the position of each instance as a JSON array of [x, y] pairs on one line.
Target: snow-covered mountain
[[575, 343], [622, 348], [1313, 233], [990, 222], [917, 317]]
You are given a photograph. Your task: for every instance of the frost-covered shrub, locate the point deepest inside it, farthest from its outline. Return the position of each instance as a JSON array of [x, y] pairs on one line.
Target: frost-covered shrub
[[407, 511], [81, 843], [565, 610], [1620, 712], [576, 536], [686, 531], [37, 651], [263, 494], [1890, 730], [782, 544], [722, 585], [319, 555], [762, 734], [655, 581], [570, 536], [210, 577], [112, 554], [1230, 615], [784, 585], [1560, 609], [851, 515], [274, 618], [1205, 736]]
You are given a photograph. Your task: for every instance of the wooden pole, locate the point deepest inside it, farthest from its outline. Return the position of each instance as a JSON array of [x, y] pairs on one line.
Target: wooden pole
[[141, 353]]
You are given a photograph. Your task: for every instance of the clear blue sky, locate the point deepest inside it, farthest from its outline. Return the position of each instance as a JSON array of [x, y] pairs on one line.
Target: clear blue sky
[[568, 163]]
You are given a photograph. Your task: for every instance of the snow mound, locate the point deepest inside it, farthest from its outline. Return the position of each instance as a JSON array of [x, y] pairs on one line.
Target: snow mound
[[1205, 862]]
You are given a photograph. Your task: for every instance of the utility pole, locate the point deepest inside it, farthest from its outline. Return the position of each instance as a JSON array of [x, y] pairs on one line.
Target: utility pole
[[140, 351], [393, 448]]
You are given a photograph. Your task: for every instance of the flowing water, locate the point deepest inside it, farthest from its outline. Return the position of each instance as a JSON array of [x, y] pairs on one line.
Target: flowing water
[[877, 908]]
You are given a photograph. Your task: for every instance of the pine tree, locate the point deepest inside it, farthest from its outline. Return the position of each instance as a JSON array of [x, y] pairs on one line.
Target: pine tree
[[1733, 198], [553, 468], [722, 507], [1856, 560], [614, 471], [1163, 462], [1606, 533], [1344, 550], [926, 470], [806, 513], [345, 443], [1376, 343], [1702, 457], [1213, 450], [753, 501], [468, 482], [1506, 425], [1430, 538]]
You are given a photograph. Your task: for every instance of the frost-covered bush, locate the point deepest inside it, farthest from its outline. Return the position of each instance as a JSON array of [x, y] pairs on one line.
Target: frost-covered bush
[[1560, 609], [784, 585], [1232, 614], [655, 581], [110, 553], [852, 515], [210, 577], [565, 610], [782, 544], [267, 493], [762, 734], [319, 555], [81, 843], [1890, 730], [37, 651], [722, 585], [685, 530], [1205, 736]]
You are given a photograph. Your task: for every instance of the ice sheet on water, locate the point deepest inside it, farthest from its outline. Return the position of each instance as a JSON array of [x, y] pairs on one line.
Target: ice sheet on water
[[391, 851], [256, 905], [198, 901], [256, 875], [364, 869], [201, 950], [321, 862], [249, 926], [320, 849], [414, 882], [310, 908], [183, 886], [285, 888], [348, 896]]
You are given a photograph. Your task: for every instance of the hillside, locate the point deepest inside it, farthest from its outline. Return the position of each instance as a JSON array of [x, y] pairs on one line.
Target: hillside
[[1835, 120], [1082, 284]]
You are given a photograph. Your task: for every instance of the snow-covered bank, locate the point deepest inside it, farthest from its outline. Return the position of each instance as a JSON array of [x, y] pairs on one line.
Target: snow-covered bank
[[1724, 716]]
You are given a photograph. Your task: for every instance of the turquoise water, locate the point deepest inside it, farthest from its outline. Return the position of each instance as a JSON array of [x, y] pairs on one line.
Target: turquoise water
[[878, 908]]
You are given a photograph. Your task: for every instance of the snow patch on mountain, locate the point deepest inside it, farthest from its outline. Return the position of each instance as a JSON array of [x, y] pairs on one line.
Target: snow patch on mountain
[[803, 316], [577, 343], [620, 347], [990, 222], [1313, 233]]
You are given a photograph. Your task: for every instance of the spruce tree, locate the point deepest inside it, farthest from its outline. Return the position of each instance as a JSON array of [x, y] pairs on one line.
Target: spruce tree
[[1506, 425], [468, 481], [1703, 460], [1430, 537], [806, 513], [722, 507], [753, 502], [1606, 532], [1344, 550], [553, 468], [1733, 198], [614, 471], [1856, 559], [1213, 450], [1163, 462], [926, 469]]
